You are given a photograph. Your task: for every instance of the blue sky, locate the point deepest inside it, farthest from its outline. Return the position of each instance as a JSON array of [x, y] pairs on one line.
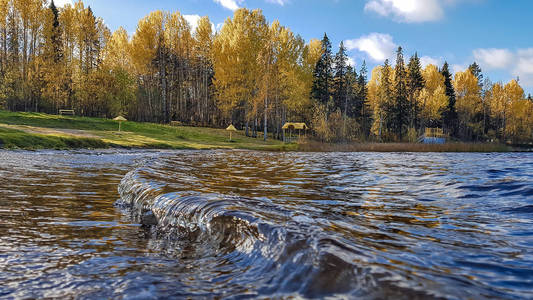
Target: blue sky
[[497, 34]]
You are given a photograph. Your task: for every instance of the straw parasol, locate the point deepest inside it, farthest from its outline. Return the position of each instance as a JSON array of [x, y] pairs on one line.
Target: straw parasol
[[120, 119], [231, 128]]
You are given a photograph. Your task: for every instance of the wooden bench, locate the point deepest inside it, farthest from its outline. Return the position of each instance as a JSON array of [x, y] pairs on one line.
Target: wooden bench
[[69, 112]]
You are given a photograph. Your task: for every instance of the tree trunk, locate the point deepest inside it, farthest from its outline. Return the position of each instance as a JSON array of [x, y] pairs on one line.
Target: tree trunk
[[247, 130], [265, 135], [163, 74]]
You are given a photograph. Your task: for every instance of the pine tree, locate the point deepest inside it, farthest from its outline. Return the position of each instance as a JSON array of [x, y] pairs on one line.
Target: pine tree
[[476, 71], [323, 74], [401, 105], [383, 119], [365, 111], [53, 77], [450, 115], [340, 88], [57, 43], [415, 83]]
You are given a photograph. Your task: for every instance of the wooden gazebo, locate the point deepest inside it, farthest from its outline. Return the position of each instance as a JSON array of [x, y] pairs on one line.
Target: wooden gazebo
[[292, 127]]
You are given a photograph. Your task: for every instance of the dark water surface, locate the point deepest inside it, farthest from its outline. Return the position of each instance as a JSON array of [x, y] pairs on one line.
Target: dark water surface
[[147, 224]]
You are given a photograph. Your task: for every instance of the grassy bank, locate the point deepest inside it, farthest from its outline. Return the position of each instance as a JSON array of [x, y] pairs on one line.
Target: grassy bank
[[43, 131], [403, 147]]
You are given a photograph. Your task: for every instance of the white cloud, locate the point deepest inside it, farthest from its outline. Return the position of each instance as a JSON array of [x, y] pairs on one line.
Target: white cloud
[[428, 60], [377, 46], [193, 21], [280, 2], [517, 63], [524, 66], [459, 68], [230, 4], [236, 4], [493, 58], [409, 11], [351, 62], [61, 3]]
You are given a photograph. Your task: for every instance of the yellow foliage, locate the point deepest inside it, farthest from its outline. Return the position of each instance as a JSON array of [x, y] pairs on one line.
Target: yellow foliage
[[203, 39], [432, 98], [236, 52], [468, 95], [177, 34], [379, 95], [145, 41], [117, 51]]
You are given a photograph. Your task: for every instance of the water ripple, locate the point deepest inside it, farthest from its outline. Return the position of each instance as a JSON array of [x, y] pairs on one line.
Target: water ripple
[[242, 224]]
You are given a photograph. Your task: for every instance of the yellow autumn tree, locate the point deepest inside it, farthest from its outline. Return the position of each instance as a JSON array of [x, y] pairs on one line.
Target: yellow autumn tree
[[499, 106], [203, 57], [117, 59], [432, 99], [469, 105], [380, 98], [516, 121], [237, 70]]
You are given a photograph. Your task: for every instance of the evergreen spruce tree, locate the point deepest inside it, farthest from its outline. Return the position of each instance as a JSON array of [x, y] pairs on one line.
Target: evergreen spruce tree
[[340, 88], [57, 44], [476, 71], [351, 92], [323, 74], [450, 115], [365, 113], [415, 83], [401, 105], [386, 105]]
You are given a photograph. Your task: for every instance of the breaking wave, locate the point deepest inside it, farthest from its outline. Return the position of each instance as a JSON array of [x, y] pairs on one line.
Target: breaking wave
[[318, 225]]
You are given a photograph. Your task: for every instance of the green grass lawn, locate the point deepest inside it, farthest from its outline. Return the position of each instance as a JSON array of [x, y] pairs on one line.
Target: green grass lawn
[[43, 131]]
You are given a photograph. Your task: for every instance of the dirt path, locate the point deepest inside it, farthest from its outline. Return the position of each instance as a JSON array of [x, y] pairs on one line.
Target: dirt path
[[51, 131]]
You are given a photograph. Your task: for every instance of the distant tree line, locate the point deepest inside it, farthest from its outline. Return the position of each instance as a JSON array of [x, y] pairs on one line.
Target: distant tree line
[[400, 101], [254, 74]]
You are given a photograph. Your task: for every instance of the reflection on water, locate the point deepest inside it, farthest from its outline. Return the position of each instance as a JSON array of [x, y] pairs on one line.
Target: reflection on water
[[240, 223]]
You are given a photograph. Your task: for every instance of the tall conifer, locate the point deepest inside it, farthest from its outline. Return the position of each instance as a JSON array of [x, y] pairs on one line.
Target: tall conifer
[[415, 83], [401, 105], [340, 89], [323, 74], [450, 115]]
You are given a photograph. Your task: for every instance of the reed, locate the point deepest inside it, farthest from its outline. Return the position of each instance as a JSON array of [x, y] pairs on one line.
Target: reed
[[314, 146]]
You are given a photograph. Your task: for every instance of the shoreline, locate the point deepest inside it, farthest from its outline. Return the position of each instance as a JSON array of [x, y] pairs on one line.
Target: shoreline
[[73, 143], [454, 147], [37, 131]]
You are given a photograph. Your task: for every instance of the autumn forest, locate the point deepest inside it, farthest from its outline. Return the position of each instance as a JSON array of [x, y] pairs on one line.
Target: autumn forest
[[252, 73]]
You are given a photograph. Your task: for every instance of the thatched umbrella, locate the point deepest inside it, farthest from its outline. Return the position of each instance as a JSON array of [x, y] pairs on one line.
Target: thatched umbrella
[[120, 119], [231, 128]]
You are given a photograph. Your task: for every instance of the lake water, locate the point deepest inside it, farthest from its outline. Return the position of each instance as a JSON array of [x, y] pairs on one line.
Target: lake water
[[230, 224]]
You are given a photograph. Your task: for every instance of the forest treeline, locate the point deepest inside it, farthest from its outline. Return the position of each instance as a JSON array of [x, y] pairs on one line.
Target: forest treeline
[[252, 73]]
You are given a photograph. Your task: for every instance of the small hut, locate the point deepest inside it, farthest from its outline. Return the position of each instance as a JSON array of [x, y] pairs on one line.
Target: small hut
[[293, 127]]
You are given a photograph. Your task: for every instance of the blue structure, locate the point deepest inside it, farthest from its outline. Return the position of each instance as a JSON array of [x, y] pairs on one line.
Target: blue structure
[[434, 140], [433, 136]]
